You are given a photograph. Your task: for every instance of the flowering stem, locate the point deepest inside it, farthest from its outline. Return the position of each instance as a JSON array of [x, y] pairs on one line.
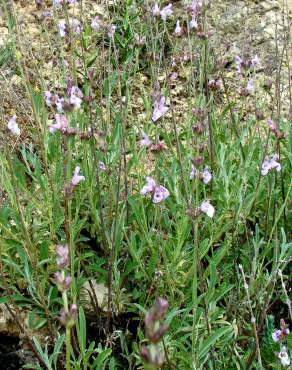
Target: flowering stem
[[207, 96]]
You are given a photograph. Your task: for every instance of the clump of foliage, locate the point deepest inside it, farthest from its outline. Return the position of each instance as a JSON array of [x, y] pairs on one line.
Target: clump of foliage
[[179, 203]]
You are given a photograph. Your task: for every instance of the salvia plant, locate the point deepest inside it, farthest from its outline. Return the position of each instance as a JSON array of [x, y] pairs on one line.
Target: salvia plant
[[146, 206]]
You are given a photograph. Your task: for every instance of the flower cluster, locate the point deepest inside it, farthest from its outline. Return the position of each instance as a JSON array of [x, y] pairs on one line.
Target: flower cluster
[[164, 13], [244, 63], [280, 336], [75, 27], [206, 175], [96, 24], [62, 256], [155, 330], [68, 318], [73, 98], [159, 193], [62, 125], [195, 10], [62, 280], [269, 164]]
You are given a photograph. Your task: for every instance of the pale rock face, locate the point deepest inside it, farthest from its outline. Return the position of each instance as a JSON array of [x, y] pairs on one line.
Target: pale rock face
[[250, 25], [101, 293]]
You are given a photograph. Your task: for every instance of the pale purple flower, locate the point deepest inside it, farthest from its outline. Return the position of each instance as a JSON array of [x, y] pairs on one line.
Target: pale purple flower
[[238, 62], [174, 76], [13, 126], [59, 104], [273, 126], [112, 30], [47, 13], [155, 10], [207, 177], [57, 3], [268, 165], [274, 163], [166, 12], [51, 99], [193, 172], [71, 1], [159, 109], [76, 27], [145, 141], [76, 178], [193, 22], [207, 208], [250, 86], [149, 187], [62, 28], [101, 166], [48, 98], [255, 61], [284, 357], [95, 23], [61, 124], [196, 5], [178, 29], [76, 96], [276, 335], [160, 194], [265, 166]]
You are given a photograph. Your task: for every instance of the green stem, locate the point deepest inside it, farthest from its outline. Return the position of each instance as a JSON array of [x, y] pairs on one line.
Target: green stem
[[68, 348]]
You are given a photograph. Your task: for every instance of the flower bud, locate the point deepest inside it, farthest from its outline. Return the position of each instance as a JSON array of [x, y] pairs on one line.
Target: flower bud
[[145, 354], [68, 319], [63, 282], [157, 335]]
